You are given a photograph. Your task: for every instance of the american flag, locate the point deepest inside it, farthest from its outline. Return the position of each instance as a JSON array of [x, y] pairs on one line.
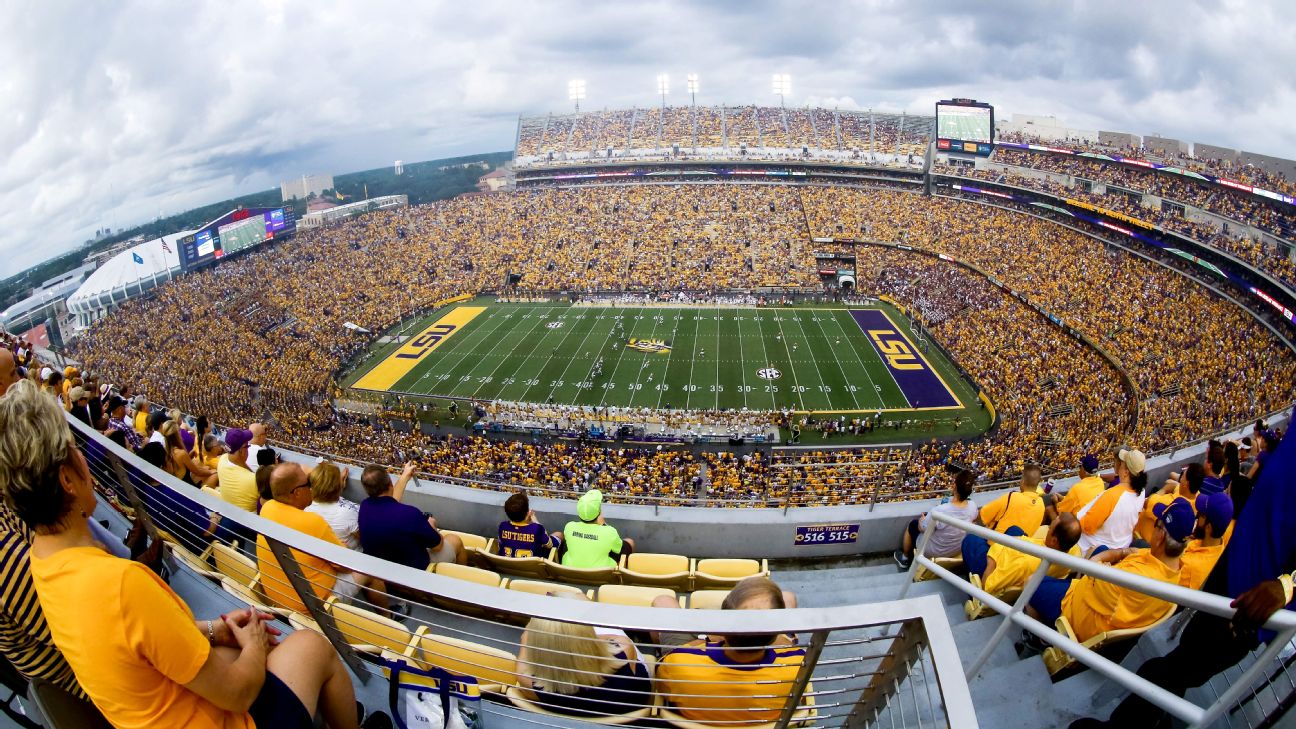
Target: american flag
[[165, 247]]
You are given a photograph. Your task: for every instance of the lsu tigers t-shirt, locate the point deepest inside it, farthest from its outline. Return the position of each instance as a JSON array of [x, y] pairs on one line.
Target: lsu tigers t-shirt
[[527, 539]]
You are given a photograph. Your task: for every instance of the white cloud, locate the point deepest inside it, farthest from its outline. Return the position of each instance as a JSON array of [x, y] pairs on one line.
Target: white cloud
[[112, 112]]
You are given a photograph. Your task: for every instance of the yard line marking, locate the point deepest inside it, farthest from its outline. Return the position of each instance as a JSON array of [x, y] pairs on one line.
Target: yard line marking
[[872, 385], [795, 381], [819, 323], [634, 391], [815, 360], [716, 386], [666, 370], [482, 336], [742, 369], [760, 331], [621, 350], [562, 376], [507, 358]]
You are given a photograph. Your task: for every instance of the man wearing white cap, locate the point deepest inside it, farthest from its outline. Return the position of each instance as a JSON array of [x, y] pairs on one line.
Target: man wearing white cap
[[1109, 520]]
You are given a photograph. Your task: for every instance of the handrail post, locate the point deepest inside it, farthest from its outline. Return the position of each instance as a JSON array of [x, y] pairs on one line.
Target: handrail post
[[306, 592], [1243, 683], [919, 547], [141, 513], [1022, 601], [808, 663]]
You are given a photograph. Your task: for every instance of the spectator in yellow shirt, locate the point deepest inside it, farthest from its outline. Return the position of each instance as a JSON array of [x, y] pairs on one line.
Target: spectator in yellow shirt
[[141, 421], [139, 654], [733, 679], [1214, 517], [1084, 490], [237, 481], [1023, 509], [1006, 569], [1094, 606]]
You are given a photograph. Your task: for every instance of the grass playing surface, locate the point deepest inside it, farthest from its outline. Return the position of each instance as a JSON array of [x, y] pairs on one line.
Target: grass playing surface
[[809, 359]]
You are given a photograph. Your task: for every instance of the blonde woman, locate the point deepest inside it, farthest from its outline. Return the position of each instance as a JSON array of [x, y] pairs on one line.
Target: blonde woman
[[572, 669], [179, 463], [326, 483], [139, 654]]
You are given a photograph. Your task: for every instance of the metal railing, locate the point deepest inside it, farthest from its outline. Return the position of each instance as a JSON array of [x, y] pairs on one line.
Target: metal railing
[[1283, 622], [848, 665]]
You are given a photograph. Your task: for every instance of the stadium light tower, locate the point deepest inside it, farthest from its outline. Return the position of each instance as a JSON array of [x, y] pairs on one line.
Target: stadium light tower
[[693, 87], [782, 86], [576, 91], [663, 87]]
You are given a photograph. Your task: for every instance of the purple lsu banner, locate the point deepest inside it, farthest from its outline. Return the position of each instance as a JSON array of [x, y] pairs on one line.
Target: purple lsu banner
[[922, 387]]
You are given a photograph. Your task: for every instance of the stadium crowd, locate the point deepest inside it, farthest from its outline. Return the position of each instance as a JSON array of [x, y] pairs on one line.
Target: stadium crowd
[[270, 341]]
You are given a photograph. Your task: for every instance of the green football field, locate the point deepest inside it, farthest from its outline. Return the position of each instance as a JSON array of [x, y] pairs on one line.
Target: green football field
[[806, 359]]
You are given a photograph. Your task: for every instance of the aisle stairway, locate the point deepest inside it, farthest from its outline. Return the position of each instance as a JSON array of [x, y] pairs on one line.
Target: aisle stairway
[[1009, 691]]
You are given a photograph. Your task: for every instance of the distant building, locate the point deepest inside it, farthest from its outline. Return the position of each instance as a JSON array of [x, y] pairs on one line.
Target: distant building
[[400, 167], [338, 213], [495, 180], [98, 259], [465, 166], [306, 186], [319, 204]]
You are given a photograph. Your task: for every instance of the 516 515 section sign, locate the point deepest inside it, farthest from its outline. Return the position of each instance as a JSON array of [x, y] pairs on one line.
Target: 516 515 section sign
[[827, 534]]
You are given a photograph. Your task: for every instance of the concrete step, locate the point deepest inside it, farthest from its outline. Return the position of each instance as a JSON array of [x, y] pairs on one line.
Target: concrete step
[[1017, 694]]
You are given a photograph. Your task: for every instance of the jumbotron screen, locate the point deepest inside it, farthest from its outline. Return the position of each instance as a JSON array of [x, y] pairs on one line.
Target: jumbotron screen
[[964, 125], [233, 232]]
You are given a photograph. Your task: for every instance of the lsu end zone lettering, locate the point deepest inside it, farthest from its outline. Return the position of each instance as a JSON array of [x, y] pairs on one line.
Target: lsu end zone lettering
[[923, 388], [827, 534], [391, 370]]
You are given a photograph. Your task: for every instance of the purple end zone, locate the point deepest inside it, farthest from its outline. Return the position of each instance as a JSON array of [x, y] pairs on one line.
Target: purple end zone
[[921, 386]]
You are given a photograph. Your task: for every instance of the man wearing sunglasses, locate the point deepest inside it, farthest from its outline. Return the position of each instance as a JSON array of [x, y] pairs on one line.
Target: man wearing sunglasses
[[291, 490]]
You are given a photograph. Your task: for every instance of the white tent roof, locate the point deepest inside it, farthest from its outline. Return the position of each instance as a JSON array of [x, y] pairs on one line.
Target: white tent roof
[[126, 269]]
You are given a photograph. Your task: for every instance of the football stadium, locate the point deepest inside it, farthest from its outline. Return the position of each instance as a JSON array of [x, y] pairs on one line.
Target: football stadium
[[694, 415]]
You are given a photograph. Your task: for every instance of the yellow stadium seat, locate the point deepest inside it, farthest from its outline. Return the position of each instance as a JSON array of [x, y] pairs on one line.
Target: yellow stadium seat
[[368, 632], [211, 492], [634, 595], [536, 587], [514, 695], [251, 594], [234, 564], [1056, 660], [535, 568], [657, 570], [464, 572], [594, 576], [302, 621], [470, 541], [953, 564], [725, 573], [706, 599], [194, 562], [493, 668]]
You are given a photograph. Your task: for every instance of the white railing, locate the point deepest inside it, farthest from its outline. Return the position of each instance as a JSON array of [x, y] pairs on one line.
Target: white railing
[[1283, 622], [856, 659]]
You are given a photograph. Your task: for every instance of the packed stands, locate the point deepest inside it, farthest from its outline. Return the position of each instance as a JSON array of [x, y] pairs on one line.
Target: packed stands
[[268, 342]]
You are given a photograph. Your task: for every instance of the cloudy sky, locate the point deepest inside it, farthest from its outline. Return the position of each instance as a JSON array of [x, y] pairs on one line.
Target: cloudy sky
[[111, 113]]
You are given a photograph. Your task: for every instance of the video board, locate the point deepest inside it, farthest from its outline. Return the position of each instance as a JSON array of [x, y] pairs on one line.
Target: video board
[[964, 126], [233, 232]]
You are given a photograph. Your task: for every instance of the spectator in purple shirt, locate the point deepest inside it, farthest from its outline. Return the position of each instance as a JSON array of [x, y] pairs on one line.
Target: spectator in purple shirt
[[399, 532], [522, 535]]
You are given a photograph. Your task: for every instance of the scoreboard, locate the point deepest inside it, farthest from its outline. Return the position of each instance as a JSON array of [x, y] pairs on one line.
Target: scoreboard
[[235, 231], [964, 126]]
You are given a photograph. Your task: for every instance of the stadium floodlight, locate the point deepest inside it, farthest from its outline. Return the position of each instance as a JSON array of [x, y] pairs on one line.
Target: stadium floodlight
[[782, 86], [576, 91], [663, 87], [693, 87]]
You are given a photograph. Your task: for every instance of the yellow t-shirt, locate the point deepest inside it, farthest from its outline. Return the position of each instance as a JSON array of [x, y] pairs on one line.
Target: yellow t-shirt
[[705, 685], [141, 424], [1013, 568], [1019, 509], [319, 572], [1095, 606], [138, 646], [237, 484], [1147, 520], [1196, 563], [1084, 491]]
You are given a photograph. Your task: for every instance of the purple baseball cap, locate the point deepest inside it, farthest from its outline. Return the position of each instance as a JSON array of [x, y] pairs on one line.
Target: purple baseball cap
[[1089, 463], [1218, 510], [1177, 517], [236, 438]]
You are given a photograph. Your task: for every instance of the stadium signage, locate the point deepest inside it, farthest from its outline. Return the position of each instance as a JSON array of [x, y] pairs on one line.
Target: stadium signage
[[391, 370], [1111, 214], [827, 534], [423, 343], [896, 351]]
